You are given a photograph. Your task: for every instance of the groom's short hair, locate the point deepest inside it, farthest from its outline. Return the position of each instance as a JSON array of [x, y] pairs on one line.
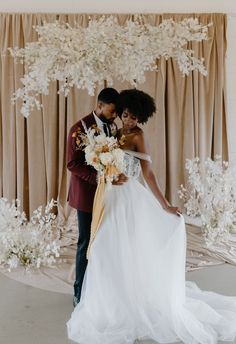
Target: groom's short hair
[[108, 95]]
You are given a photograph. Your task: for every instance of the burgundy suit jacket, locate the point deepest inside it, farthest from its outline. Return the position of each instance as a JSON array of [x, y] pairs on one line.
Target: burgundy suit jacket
[[83, 180]]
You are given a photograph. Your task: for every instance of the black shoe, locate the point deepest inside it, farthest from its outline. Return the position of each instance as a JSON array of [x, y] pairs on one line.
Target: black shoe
[[75, 301]]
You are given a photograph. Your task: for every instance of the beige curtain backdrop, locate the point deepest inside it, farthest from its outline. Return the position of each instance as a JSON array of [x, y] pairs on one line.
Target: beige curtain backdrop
[[191, 117]]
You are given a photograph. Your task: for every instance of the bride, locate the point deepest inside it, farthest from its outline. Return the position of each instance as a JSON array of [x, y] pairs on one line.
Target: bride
[[134, 285]]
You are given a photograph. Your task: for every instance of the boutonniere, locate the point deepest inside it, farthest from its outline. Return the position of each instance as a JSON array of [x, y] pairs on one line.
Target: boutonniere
[[97, 130], [81, 138]]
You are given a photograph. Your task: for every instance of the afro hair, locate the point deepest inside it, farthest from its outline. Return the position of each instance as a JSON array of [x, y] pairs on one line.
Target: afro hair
[[137, 102]]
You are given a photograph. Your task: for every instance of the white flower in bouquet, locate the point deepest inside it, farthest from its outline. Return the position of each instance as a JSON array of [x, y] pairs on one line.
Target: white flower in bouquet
[[107, 158], [89, 149], [118, 157], [91, 156], [210, 193], [100, 139]]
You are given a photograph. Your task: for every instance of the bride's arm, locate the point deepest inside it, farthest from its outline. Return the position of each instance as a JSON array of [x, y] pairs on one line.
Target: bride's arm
[[149, 176]]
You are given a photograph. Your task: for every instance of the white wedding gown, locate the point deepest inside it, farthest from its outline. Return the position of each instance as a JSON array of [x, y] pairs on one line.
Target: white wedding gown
[[134, 286]]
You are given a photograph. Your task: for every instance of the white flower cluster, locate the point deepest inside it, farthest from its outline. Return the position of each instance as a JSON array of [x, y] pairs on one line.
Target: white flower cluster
[[211, 194], [29, 243], [85, 57], [103, 153]]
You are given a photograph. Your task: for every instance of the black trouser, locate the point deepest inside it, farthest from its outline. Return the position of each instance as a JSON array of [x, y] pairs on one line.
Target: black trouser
[[84, 223]]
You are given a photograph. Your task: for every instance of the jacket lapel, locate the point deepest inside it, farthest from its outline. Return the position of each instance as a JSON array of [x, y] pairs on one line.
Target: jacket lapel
[[89, 120]]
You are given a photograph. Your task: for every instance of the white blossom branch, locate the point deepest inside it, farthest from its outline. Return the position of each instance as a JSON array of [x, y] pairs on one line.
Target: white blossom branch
[[85, 57]]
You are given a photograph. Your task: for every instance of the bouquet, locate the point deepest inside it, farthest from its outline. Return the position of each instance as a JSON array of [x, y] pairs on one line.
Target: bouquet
[[106, 156], [101, 152]]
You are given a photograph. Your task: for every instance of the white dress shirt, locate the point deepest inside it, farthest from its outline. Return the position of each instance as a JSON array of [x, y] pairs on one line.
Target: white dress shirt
[[100, 123]]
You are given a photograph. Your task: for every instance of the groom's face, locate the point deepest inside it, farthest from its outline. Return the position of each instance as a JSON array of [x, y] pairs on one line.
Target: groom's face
[[107, 112]]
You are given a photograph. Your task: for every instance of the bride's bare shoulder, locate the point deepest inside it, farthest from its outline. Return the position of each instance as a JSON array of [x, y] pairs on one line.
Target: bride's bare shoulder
[[139, 134], [140, 141]]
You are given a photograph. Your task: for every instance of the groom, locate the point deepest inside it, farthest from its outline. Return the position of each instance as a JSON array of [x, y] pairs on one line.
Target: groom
[[83, 180]]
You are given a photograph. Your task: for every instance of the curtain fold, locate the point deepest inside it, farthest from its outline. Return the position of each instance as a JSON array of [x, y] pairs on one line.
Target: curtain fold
[[190, 121]]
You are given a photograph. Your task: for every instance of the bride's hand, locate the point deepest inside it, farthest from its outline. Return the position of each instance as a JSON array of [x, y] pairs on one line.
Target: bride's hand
[[120, 180], [173, 210]]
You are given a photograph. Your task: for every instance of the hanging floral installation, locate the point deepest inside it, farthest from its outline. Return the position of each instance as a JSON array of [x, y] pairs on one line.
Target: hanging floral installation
[[85, 57], [210, 193]]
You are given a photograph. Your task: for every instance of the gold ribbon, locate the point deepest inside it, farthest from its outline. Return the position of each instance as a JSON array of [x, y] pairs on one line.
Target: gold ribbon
[[98, 211], [99, 204]]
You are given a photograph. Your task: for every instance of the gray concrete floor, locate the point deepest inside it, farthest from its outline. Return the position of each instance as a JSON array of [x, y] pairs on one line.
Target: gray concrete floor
[[33, 316]]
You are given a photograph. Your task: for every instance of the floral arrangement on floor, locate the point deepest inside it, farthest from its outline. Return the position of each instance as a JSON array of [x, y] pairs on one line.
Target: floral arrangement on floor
[[85, 57], [32, 243], [101, 152], [210, 193]]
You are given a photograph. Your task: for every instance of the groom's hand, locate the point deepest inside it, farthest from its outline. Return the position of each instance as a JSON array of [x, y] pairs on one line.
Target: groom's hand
[[120, 180]]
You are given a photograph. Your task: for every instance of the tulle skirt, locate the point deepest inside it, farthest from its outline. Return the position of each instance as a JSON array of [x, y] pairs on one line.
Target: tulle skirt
[[134, 286]]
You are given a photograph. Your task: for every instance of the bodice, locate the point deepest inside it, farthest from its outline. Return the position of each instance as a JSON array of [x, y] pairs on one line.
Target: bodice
[[132, 166]]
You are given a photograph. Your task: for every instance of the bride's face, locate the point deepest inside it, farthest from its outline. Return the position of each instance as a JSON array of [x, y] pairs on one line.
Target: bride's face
[[129, 120]]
